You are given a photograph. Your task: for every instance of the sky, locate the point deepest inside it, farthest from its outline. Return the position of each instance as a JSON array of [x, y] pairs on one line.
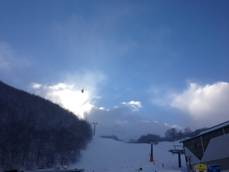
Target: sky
[[129, 65]]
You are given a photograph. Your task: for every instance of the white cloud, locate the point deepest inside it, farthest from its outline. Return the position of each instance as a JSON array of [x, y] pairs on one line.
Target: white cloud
[[206, 104], [77, 94], [133, 105], [36, 85]]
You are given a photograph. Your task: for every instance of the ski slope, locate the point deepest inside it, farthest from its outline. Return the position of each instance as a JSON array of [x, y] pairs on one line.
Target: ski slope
[[105, 155]]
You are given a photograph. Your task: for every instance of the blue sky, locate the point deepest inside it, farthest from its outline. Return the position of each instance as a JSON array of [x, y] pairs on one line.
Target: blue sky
[[144, 51]]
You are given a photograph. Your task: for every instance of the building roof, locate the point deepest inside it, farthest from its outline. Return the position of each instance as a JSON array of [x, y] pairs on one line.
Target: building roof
[[221, 125]]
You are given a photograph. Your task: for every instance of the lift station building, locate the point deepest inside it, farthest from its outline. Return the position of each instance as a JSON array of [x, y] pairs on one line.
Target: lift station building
[[210, 147]]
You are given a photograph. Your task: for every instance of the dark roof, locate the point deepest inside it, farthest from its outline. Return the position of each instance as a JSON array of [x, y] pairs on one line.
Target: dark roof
[[218, 126]]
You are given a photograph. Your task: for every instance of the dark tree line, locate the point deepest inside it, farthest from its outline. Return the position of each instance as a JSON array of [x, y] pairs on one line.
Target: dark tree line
[[171, 134], [174, 134], [112, 137], [149, 138], [35, 133]]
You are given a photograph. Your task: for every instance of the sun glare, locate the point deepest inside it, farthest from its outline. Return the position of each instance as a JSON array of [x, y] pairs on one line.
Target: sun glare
[[68, 96], [74, 100]]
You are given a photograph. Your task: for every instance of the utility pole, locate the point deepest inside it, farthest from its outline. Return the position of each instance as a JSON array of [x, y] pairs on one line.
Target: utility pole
[[178, 152], [94, 127]]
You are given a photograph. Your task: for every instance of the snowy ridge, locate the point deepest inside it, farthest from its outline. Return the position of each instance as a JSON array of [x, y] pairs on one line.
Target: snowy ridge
[[105, 155]]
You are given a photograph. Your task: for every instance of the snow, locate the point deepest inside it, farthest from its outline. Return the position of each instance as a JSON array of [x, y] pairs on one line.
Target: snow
[[106, 155]]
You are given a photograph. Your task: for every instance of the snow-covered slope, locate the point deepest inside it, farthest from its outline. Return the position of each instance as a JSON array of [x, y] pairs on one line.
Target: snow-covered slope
[[105, 155]]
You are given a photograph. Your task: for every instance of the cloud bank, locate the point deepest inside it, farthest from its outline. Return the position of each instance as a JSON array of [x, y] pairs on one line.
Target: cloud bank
[[206, 104], [126, 122]]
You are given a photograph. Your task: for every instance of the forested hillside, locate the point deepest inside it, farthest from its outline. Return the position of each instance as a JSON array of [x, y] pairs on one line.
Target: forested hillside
[[36, 133]]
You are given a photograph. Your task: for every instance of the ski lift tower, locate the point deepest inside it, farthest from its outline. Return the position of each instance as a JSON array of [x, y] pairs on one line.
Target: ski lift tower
[[151, 159], [94, 127], [179, 152]]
